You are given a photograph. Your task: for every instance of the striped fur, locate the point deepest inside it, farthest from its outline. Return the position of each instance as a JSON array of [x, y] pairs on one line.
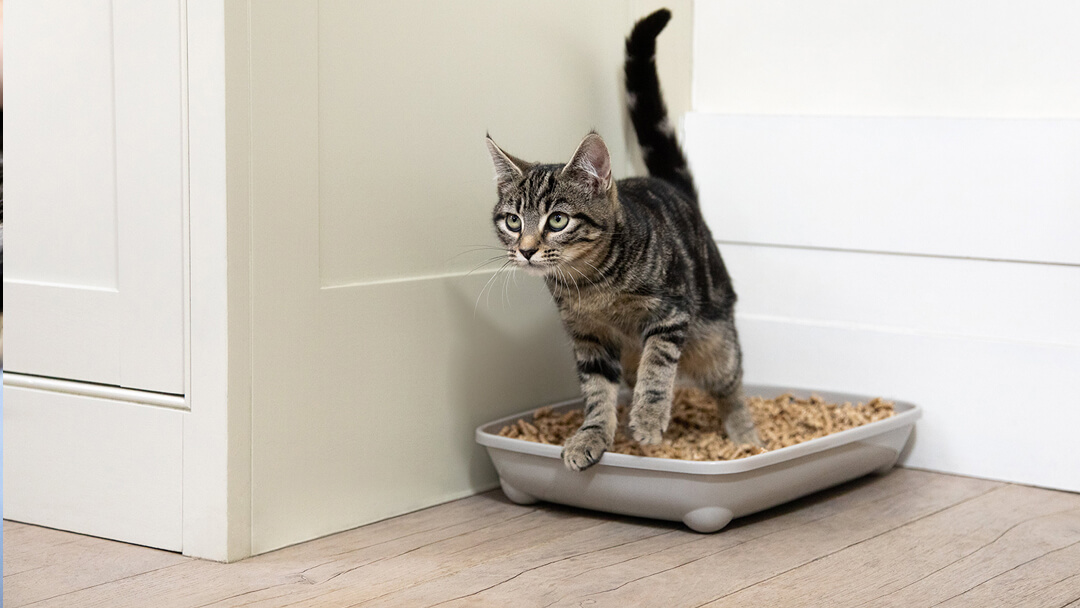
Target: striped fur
[[631, 265]]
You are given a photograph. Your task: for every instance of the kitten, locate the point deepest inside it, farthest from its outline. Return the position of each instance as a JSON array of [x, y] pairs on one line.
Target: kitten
[[635, 273]]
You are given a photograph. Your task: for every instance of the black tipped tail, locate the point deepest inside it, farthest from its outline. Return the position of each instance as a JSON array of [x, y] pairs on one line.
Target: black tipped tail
[[655, 134], [642, 40]]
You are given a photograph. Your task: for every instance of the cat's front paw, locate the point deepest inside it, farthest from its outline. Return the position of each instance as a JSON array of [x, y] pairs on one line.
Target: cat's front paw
[[646, 429], [584, 449]]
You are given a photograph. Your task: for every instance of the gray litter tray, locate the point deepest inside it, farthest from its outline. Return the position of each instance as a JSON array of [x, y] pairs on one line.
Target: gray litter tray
[[703, 495]]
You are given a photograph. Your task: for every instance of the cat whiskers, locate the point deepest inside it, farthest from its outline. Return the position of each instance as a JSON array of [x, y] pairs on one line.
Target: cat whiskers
[[606, 280], [576, 286], [564, 276], [485, 263], [506, 284], [571, 266], [557, 290], [488, 284], [561, 282], [474, 249]]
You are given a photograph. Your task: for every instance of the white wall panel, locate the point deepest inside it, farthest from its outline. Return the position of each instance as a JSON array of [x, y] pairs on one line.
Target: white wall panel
[[999, 189], [990, 349], [971, 298], [961, 58], [994, 409]]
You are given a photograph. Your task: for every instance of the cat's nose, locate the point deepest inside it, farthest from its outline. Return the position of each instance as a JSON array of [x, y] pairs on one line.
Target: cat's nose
[[528, 253]]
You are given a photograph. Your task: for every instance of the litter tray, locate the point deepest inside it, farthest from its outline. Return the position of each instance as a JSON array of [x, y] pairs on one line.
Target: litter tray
[[703, 495]]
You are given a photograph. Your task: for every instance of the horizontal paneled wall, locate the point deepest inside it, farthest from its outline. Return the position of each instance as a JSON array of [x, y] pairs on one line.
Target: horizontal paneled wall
[[894, 186], [993, 409], [991, 350], [876, 255]]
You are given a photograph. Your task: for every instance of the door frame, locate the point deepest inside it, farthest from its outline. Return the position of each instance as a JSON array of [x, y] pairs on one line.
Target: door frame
[[217, 427]]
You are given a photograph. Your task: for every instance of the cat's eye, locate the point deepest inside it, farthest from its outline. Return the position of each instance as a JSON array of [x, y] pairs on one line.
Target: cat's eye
[[513, 222], [558, 221]]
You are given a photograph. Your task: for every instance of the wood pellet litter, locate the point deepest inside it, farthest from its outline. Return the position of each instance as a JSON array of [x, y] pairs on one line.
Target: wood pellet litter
[[695, 432]]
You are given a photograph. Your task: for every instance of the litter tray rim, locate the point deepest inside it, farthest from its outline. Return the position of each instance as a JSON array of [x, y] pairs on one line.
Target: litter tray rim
[[906, 415]]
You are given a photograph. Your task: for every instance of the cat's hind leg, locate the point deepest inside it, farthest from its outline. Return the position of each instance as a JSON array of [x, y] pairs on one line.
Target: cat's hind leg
[[738, 423], [714, 363]]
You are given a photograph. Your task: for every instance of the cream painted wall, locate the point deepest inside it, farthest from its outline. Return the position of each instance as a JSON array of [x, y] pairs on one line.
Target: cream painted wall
[[359, 127], [893, 186], [399, 116]]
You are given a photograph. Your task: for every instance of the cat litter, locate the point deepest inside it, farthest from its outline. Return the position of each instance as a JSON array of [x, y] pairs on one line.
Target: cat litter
[[813, 441], [695, 430]]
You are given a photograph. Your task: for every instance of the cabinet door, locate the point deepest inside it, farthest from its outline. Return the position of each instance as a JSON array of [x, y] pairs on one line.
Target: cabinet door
[[95, 159]]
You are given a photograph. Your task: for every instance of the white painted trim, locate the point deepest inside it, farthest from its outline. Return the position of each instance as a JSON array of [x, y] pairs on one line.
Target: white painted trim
[[53, 285], [185, 199], [894, 253], [99, 391], [217, 431]]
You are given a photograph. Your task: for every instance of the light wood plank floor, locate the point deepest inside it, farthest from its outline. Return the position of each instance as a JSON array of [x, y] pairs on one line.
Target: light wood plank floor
[[909, 538]]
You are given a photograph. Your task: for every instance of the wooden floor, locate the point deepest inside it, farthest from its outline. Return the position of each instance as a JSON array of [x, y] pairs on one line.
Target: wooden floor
[[907, 539]]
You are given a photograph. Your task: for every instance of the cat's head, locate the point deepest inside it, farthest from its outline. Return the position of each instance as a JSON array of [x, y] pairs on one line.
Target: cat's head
[[555, 219]]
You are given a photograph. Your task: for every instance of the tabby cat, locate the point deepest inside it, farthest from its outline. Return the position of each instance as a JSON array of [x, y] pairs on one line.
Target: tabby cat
[[635, 273]]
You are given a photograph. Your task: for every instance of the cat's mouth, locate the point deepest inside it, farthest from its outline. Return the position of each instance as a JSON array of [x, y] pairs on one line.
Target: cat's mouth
[[536, 267], [537, 264]]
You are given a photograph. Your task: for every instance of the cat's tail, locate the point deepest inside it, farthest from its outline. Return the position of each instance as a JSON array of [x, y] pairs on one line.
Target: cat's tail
[[663, 156]]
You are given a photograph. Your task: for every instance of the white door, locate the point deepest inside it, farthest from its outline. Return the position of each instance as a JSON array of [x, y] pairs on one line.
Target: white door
[[95, 330], [95, 190]]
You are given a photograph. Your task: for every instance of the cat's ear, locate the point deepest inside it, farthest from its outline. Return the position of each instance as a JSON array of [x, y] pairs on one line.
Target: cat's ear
[[507, 167], [590, 166]]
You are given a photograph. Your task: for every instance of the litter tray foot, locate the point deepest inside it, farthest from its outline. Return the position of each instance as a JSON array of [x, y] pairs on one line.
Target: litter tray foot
[[517, 495], [707, 519], [884, 469]]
